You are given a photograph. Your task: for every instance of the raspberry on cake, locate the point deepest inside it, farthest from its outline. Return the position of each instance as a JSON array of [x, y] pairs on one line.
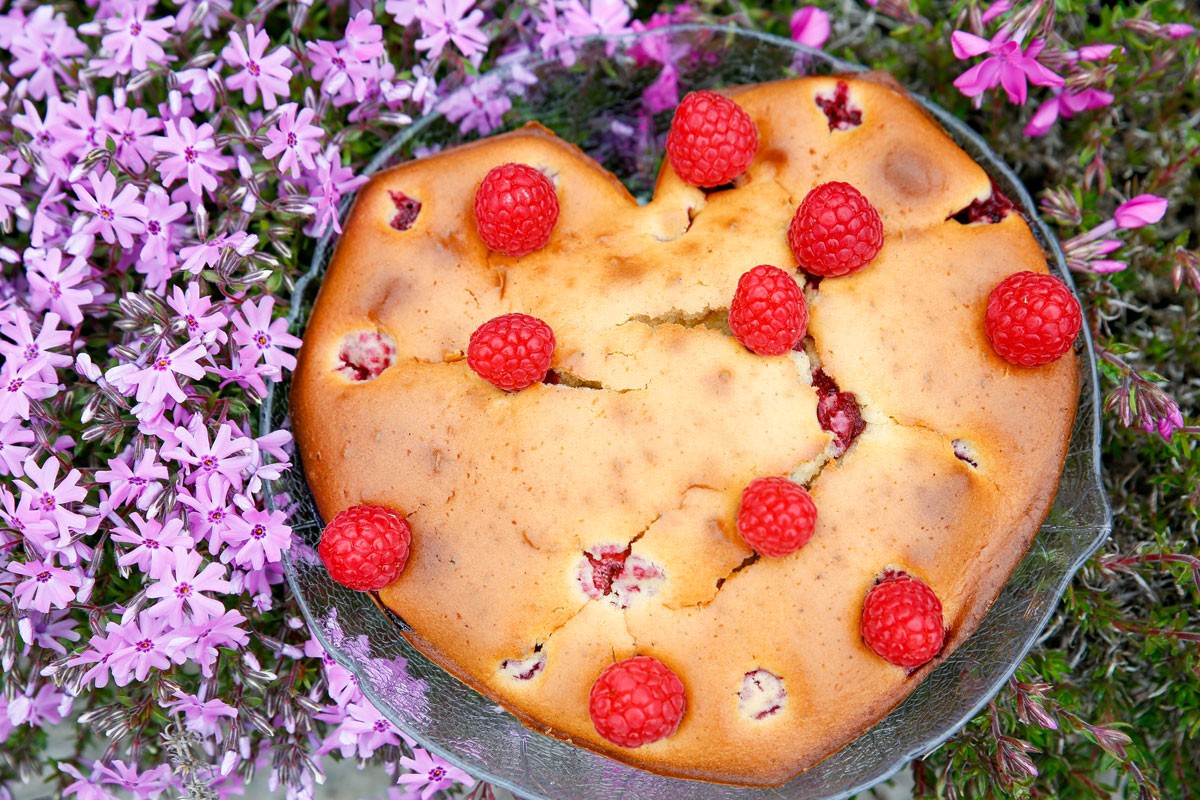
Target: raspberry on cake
[[1032, 319], [711, 141], [516, 208], [902, 621], [568, 524], [365, 547]]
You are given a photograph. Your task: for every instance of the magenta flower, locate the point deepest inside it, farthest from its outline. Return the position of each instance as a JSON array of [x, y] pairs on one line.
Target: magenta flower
[[261, 339], [36, 350], [50, 499], [47, 631], [295, 138], [327, 186], [100, 650], [19, 384], [133, 40], [117, 218], [61, 289], [201, 716], [810, 26], [1007, 65], [141, 646], [47, 707], [256, 538], [43, 48], [180, 591], [138, 484], [1065, 104], [996, 9], [156, 381], [132, 130], [146, 785], [431, 774], [45, 585], [154, 543], [363, 730], [200, 642], [209, 500], [193, 308], [452, 22], [158, 253], [1145, 209], [260, 72], [225, 456], [10, 201], [204, 255], [192, 153], [13, 435], [84, 788]]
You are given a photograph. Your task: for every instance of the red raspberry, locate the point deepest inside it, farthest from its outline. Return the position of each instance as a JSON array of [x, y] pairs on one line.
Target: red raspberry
[[511, 351], [1032, 319], [902, 621], [516, 208], [836, 231], [365, 547], [776, 516], [768, 313], [636, 701], [712, 139]]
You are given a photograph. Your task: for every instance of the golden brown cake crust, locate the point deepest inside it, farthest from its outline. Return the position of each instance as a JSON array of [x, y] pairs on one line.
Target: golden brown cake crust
[[662, 418]]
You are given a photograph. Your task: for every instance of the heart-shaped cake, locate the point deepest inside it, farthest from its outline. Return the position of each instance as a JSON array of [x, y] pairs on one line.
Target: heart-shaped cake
[[581, 545]]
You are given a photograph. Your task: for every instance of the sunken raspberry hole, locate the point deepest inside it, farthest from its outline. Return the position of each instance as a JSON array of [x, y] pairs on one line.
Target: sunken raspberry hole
[[841, 114], [523, 669], [837, 412], [762, 694], [988, 211], [965, 451], [609, 571], [365, 354], [407, 209]]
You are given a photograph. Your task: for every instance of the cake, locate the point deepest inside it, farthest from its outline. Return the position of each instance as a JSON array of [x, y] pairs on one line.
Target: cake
[[590, 518]]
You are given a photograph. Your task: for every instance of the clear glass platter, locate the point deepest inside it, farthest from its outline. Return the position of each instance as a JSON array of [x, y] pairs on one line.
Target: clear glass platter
[[596, 102]]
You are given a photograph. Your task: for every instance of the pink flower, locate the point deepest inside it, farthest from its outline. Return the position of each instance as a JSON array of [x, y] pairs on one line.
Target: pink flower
[[193, 308], [57, 288], [10, 201], [431, 774], [192, 153], [225, 456], [158, 253], [200, 642], [50, 498], [995, 10], [810, 26], [134, 40], [117, 218], [1007, 65], [13, 434], [131, 130], [1180, 30], [47, 707], [260, 538], [20, 383], [262, 338], [45, 585], [265, 73], [295, 139], [206, 254], [139, 484], [209, 501], [36, 350], [451, 22], [43, 48], [180, 591], [156, 381], [201, 716], [403, 11], [327, 186], [1066, 104], [146, 785], [1145, 209], [154, 542]]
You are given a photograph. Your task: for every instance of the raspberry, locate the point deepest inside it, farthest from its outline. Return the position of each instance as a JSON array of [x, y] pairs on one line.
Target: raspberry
[[776, 516], [636, 701], [768, 313], [511, 351], [1032, 319], [836, 231], [365, 547], [712, 140], [902, 621], [516, 208]]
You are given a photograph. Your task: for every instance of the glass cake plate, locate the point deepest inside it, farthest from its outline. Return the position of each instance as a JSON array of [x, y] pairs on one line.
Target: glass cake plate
[[597, 102]]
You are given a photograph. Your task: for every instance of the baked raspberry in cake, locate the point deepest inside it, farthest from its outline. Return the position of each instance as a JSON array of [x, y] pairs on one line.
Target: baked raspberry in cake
[[575, 550]]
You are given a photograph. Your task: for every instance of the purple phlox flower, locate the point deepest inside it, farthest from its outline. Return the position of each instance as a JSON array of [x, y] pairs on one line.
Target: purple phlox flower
[[47, 707], [1093, 52], [45, 586], [256, 538], [480, 105], [1066, 104], [600, 16], [1007, 65], [132, 131], [452, 22], [61, 289], [327, 186], [403, 11], [157, 257], [141, 646], [180, 591], [260, 72], [1145, 209], [138, 484], [193, 310], [29, 348], [258, 584], [20, 382], [82, 131], [200, 84], [50, 498], [1169, 421], [10, 200], [47, 631], [431, 773], [146, 785], [227, 455], [247, 375], [84, 788], [348, 71], [100, 649], [206, 254], [208, 23], [50, 218], [116, 216], [810, 26], [155, 544], [19, 515], [364, 730], [199, 642], [1179, 30], [42, 47], [157, 380], [363, 39], [192, 153], [201, 716], [261, 338], [13, 436], [295, 138], [209, 501], [995, 10], [133, 40], [261, 469], [47, 138]]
